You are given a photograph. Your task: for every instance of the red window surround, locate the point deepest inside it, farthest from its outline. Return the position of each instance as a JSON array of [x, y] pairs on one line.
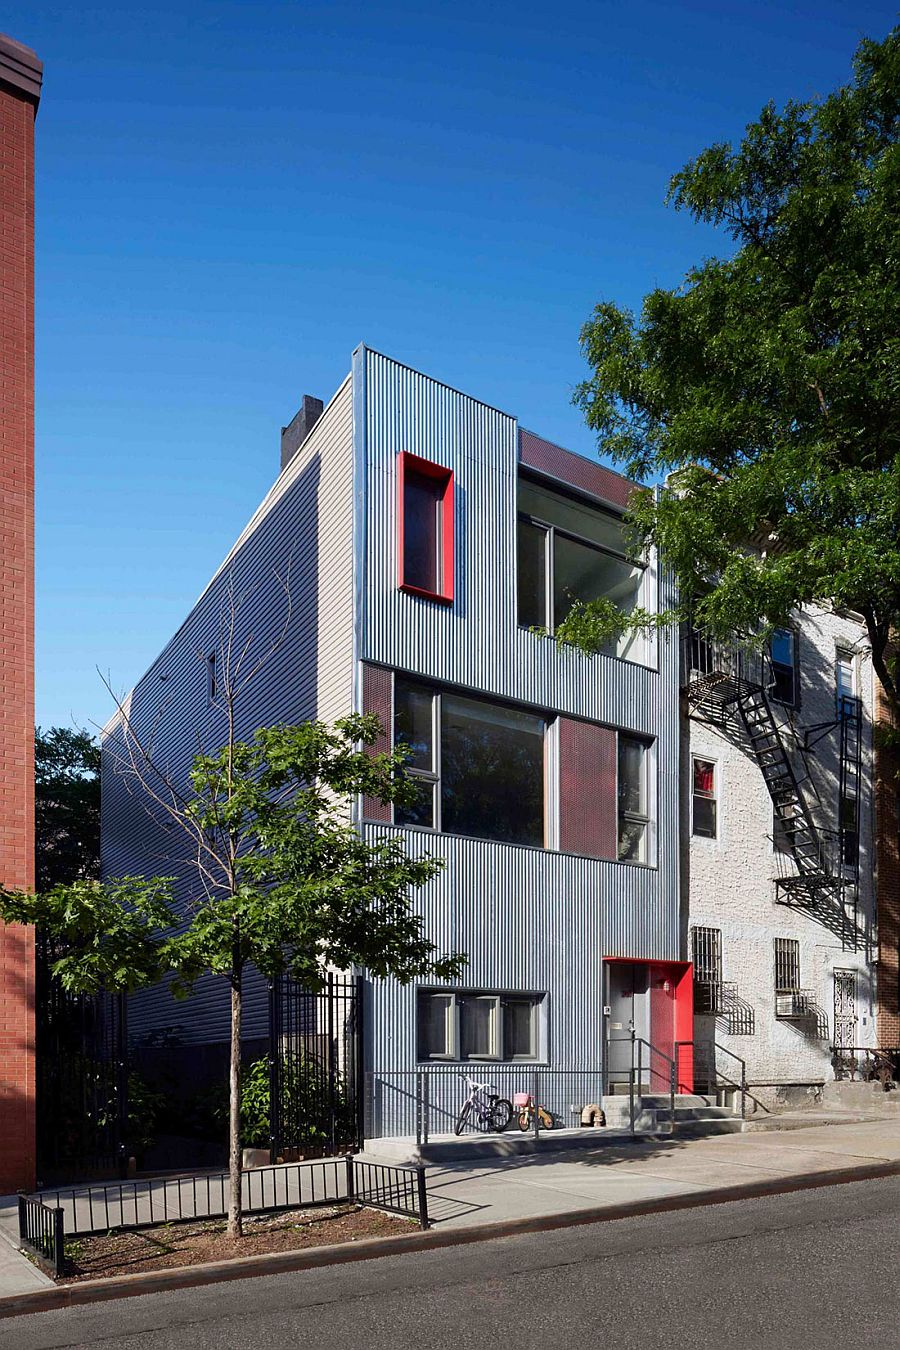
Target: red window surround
[[427, 488]]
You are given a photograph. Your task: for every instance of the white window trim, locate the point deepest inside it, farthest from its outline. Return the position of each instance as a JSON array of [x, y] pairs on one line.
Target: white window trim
[[704, 839]]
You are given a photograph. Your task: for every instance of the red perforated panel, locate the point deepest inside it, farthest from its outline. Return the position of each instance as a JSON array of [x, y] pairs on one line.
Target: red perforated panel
[[587, 789], [378, 698], [556, 462]]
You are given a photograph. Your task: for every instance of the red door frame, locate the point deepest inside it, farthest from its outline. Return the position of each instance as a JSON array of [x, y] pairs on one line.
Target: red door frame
[[680, 975]]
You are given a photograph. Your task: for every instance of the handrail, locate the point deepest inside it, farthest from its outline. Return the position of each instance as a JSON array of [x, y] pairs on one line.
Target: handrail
[[639, 1042], [741, 1086]]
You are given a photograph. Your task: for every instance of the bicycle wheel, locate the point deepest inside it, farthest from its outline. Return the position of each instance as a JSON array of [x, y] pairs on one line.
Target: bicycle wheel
[[501, 1114], [462, 1118], [522, 1120]]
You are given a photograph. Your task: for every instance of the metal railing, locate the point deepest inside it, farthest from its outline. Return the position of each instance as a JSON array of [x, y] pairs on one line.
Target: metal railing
[[401, 1190], [42, 1233], [867, 1063], [86, 1211], [424, 1103], [703, 1057]]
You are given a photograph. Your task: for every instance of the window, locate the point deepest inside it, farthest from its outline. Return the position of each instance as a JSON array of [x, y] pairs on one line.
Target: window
[[567, 551], [479, 766], [845, 683], [704, 803], [471, 1024], [785, 682], [212, 680], [634, 816], [849, 830], [787, 965], [706, 954], [425, 528]]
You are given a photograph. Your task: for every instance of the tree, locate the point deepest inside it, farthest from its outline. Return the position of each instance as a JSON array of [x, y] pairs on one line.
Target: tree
[[66, 806], [288, 884], [768, 384]]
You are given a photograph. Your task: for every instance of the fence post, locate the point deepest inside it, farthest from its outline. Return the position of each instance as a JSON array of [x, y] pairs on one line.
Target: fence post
[[418, 1108], [274, 1129], [673, 1075], [743, 1090], [422, 1191], [351, 1177], [535, 1101], [631, 1086], [426, 1104], [59, 1242]]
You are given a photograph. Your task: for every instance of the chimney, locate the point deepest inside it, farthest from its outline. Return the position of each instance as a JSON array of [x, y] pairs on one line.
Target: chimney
[[293, 436]]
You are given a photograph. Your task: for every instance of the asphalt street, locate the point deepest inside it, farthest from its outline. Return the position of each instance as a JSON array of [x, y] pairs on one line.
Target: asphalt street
[[817, 1269]]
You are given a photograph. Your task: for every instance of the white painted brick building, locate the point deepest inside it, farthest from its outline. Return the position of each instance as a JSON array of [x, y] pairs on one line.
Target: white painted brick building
[[730, 866]]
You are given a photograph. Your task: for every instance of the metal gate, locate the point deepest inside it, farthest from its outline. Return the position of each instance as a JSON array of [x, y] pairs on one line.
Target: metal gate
[[316, 1067], [844, 1009], [82, 1080]]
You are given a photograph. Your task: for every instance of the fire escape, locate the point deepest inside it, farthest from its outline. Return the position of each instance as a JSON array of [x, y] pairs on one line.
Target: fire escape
[[727, 688]]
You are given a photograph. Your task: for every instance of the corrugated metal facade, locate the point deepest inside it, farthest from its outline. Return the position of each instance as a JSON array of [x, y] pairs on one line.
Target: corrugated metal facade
[[303, 529], [526, 918]]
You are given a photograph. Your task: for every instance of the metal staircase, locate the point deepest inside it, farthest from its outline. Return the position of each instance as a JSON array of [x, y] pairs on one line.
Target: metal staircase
[[727, 688]]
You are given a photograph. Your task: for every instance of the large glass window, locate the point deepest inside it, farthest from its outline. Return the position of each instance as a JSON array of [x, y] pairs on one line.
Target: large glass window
[[478, 766], [492, 771], [470, 1024], [568, 551], [634, 816], [783, 652]]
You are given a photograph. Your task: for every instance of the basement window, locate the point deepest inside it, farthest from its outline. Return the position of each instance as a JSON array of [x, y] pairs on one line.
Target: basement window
[[465, 1024]]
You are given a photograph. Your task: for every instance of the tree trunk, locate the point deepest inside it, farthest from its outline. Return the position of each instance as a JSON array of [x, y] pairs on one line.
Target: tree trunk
[[235, 1205]]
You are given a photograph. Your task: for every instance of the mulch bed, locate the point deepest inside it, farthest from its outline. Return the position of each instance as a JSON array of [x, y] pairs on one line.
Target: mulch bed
[[188, 1244]]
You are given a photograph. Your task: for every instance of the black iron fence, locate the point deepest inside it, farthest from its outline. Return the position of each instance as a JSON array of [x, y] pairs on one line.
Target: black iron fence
[[315, 1056], [42, 1233], [82, 1079], [401, 1190], [47, 1219]]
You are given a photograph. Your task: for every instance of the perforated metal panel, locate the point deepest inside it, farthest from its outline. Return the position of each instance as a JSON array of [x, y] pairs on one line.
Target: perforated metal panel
[[587, 789]]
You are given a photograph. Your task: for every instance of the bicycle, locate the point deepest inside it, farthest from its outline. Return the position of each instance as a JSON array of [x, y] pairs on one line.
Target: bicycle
[[524, 1105], [488, 1111]]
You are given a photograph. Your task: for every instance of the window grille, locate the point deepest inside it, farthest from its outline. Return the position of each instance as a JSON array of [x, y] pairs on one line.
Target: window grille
[[706, 952], [787, 965]]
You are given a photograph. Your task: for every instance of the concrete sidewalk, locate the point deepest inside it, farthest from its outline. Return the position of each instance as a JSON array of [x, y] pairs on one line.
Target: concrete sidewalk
[[643, 1170], [17, 1274]]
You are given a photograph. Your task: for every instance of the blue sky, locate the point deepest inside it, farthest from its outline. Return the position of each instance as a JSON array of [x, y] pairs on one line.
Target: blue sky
[[232, 196]]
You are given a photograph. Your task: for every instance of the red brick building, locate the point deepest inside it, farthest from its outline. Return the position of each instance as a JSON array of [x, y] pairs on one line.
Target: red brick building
[[20, 87]]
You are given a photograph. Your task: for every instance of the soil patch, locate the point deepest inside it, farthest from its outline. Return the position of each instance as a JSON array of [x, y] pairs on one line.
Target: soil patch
[[189, 1244]]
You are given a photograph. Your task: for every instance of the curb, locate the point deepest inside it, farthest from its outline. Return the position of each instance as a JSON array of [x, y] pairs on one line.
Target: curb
[[369, 1249]]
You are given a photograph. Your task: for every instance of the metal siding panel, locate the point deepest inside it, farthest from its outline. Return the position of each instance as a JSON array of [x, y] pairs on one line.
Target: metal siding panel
[[305, 521], [525, 918]]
